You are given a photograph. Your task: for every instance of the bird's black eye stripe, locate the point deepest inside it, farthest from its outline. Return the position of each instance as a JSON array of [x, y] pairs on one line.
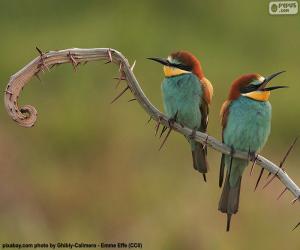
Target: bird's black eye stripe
[[179, 66], [249, 88]]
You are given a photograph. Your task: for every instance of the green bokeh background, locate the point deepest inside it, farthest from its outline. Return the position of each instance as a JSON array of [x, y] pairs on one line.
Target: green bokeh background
[[90, 171]]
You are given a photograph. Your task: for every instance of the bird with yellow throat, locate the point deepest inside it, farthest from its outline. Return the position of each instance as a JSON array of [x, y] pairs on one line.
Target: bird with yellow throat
[[246, 125], [186, 97]]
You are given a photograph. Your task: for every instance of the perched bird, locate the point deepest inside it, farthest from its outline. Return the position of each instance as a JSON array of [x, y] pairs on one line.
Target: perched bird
[[186, 96], [246, 124]]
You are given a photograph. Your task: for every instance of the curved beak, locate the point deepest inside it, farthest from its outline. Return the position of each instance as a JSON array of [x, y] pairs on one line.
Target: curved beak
[[162, 61], [262, 87]]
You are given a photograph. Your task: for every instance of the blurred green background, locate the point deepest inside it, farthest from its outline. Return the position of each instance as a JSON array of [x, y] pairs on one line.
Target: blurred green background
[[90, 171]]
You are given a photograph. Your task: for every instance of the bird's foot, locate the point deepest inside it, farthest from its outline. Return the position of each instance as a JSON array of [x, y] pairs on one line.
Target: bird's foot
[[173, 119], [192, 135], [252, 156], [205, 142]]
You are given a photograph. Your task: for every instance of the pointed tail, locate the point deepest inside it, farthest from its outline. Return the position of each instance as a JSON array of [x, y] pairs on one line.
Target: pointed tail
[[199, 158], [229, 201]]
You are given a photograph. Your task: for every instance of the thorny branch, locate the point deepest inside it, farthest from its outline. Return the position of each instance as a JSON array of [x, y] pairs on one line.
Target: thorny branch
[[27, 115]]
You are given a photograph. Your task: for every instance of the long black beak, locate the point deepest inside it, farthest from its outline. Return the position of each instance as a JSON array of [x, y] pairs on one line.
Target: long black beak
[[268, 79], [164, 61], [274, 87]]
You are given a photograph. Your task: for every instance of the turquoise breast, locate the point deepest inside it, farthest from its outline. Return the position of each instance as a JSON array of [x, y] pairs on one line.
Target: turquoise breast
[[248, 124], [183, 93]]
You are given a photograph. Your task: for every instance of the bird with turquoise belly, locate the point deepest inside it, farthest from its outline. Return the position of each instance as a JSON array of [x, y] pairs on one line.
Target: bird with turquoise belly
[[246, 126], [186, 96]]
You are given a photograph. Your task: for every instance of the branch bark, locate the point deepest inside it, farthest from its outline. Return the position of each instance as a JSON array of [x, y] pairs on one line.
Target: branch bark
[[26, 115]]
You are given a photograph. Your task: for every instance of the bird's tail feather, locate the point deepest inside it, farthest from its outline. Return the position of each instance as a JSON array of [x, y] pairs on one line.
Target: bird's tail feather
[[199, 154], [229, 201]]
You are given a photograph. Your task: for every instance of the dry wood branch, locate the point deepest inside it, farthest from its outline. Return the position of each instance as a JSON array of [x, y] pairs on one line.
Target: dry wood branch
[[27, 115]]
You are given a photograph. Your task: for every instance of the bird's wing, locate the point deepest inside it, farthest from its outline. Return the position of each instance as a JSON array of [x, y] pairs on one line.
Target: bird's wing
[[224, 115], [207, 89], [204, 109]]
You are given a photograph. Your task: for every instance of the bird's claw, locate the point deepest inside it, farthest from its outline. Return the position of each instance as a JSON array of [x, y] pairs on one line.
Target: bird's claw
[[251, 155], [172, 120], [192, 135]]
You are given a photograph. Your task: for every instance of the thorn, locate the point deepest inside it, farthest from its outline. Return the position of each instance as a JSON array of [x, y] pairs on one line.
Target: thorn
[[133, 99], [157, 126], [281, 163], [204, 176], [40, 52], [294, 200], [42, 59], [296, 226], [73, 61], [150, 118], [253, 164], [117, 97], [120, 78], [118, 83], [288, 152], [280, 195], [163, 131], [259, 177], [170, 122], [269, 174], [270, 180], [165, 139], [132, 66], [109, 55]]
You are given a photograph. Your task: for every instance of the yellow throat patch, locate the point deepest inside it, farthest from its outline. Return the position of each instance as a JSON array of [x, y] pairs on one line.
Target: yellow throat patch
[[170, 71], [258, 95]]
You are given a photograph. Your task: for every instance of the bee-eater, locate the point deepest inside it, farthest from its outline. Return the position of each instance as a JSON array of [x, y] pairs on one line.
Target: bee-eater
[[186, 96], [246, 124]]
